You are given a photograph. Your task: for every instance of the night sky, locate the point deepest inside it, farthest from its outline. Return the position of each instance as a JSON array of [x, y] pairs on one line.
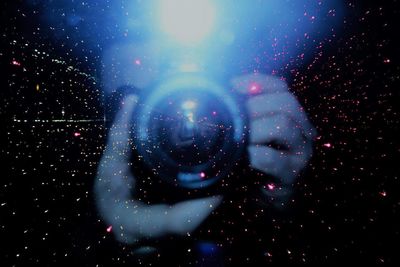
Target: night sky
[[55, 114]]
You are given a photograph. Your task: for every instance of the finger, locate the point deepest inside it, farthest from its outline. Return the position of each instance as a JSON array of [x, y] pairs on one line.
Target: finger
[[187, 216], [278, 130], [285, 103], [119, 134], [137, 220], [113, 171], [181, 218], [258, 83], [285, 167]]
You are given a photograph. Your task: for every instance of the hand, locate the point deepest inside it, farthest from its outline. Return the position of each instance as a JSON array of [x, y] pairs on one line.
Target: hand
[[133, 221], [281, 135], [280, 145]]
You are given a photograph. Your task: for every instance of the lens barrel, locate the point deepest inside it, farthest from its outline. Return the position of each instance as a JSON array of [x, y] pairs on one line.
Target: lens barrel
[[190, 131]]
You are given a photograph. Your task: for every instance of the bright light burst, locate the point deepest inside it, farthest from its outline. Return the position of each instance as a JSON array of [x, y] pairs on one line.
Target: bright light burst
[[187, 21]]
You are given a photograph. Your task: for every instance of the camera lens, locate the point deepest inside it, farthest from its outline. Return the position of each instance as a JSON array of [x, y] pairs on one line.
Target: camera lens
[[190, 132]]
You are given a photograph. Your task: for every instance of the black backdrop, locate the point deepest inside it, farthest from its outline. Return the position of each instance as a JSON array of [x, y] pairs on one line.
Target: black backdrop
[[346, 205]]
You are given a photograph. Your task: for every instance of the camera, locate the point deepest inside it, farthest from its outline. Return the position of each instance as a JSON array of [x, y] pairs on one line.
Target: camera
[[189, 131]]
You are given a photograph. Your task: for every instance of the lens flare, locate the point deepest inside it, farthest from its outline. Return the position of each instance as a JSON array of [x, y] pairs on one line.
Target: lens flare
[[187, 21]]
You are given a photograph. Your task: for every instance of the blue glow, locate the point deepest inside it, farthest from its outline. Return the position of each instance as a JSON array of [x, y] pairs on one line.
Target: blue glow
[[194, 82], [187, 21], [189, 104], [207, 248], [240, 36]]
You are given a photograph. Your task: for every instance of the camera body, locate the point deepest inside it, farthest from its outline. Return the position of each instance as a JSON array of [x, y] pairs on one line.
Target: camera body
[[189, 132]]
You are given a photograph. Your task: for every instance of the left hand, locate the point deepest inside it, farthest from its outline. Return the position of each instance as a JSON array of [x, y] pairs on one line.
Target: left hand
[[281, 136]]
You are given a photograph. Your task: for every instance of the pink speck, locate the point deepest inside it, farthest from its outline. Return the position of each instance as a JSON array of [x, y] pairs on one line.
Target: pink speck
[[254, 88], [76, 134], [202, 175], [109, 229], [138, 62], [386, 61], [214, 113], [16, 63], [383, 193], [328, 145], [271, 186]]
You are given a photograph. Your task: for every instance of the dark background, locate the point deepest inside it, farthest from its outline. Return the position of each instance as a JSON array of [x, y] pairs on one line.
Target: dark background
[[346, 206]]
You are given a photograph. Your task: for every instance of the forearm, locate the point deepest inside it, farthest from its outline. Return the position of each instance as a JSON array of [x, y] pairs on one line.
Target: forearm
[[134, 221], [130, 219]]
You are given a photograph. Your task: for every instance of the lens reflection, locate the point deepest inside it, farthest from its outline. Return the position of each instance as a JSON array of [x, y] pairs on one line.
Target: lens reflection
[[189, 136]]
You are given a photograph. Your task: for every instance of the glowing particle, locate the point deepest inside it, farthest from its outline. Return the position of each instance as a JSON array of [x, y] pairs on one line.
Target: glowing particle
[[383, 193], [37, 87], [386, 61], [254, 88], [270, 186], [202, 175], [16, 63], [214, 113], [77, 134], [138, 62], [328, 145], [109, 229]]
